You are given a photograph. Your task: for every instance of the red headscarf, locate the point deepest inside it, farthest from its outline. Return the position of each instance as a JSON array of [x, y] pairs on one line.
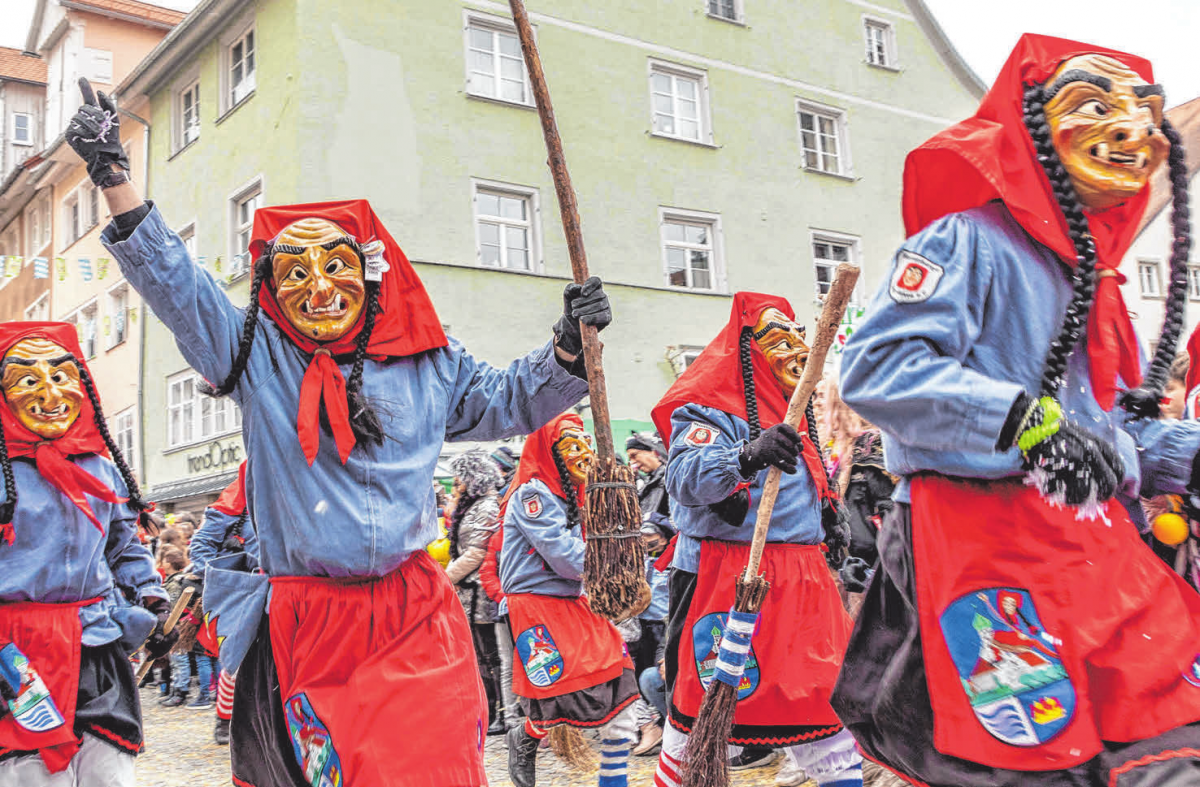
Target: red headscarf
[[714, 379], [82, 438], [991, 156], [233, 500], [405, 325], [537, 459]]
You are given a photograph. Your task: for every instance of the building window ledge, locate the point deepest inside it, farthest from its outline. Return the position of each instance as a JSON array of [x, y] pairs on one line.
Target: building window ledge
[[672, 138], [181, 150], [837, 175], [202, 441], [498, 101], [245, 100], [882, 67]]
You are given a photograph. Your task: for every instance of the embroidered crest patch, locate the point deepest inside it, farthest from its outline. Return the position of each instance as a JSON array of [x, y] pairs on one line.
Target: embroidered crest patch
[[312, 743], [533, 506], [706, 646], [1192, 675], [539, 655], [915, 278], [700, 434], [33, 708], [1009, 666]]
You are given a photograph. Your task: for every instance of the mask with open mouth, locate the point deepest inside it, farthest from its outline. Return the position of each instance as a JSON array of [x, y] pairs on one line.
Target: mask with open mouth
[[575, 448], [1105, 123], [782, 343], [318, 275], [42, 387]]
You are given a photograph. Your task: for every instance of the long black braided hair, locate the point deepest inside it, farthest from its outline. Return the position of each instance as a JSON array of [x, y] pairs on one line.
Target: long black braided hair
[[568, 487], [1143, 401], [363, 418]]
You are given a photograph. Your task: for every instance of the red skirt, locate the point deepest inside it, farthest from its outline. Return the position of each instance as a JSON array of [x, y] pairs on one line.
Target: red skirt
[[795, 653], [1044, 635], [49, 636], [379, 678], [562, 646]]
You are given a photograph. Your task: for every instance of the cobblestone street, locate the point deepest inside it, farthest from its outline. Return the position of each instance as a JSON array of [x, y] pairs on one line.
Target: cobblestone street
[[180, 751]]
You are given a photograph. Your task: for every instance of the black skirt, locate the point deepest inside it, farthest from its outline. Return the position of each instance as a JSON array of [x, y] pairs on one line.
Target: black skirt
[[591, 707]]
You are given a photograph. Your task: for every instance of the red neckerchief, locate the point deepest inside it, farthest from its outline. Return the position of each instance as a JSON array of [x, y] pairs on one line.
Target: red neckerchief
[[537, 460], [406, 323], [991, 156], [714, 380], [232, 501], [53, 456]]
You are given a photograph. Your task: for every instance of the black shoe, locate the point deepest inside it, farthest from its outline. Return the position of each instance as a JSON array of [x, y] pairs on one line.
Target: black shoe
[[497, 727], [221, 733], [174, 700], [522, 757], [752, 757]]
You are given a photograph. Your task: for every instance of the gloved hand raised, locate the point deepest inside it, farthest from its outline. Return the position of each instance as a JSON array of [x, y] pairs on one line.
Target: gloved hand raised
[[778, 446], [95, 134], [159, 644], [582, 303], [1068, 464]]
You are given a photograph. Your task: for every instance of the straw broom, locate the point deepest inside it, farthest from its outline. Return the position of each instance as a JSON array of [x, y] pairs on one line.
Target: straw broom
[[705, 763], [614, 563]]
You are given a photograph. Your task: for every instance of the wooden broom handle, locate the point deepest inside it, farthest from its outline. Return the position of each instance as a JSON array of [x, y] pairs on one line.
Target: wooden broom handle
[[569, 209], [827, 328], [177, 611]]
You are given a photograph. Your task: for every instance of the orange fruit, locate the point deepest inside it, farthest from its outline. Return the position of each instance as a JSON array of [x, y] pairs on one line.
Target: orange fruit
[[1171, 529]]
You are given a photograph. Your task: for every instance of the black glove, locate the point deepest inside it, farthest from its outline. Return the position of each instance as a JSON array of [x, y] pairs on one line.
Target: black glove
[[855, 574], [1067, 463], [837, 533], [159, 644], [733, 509], [95, 134], [586, 303], [779, 446]]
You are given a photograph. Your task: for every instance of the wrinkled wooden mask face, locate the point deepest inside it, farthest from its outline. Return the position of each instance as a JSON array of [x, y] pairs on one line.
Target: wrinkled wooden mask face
[[575, 448], [1106, 122], [42, 387], [782, 342], [318, 278]]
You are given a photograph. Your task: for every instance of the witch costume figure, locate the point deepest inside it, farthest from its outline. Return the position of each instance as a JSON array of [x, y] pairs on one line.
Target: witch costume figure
[[1018, 632], [363, 671], [725, 418], [78, 591], [570, 665]]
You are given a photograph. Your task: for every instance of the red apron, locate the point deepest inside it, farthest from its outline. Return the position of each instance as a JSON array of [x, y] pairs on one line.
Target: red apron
[[50, 636], [561, 646], [378, 678], [796, 651], [1044, 635]]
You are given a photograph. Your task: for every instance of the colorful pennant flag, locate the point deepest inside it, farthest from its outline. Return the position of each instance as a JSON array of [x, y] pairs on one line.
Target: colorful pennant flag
[[41, 268]]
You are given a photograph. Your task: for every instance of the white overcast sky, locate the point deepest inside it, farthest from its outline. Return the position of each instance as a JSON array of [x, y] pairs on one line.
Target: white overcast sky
[[983, 32]]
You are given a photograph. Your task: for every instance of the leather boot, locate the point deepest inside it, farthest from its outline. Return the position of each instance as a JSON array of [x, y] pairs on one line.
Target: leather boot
[[522, 757], [497, 727]]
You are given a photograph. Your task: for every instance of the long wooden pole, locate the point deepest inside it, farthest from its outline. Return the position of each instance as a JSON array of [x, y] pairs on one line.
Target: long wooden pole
[[181, 604], [570, 220], [827, 326]]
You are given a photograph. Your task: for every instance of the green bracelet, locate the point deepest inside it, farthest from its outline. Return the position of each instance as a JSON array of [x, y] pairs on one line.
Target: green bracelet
[[1051, 421]]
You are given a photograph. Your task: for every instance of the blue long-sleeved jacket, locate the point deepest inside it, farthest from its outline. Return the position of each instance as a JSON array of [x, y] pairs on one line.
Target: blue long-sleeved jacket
[[59, 556], [210, 537], [366, 517], [699, 475], [940, 374], [658, 581], [540, 555]]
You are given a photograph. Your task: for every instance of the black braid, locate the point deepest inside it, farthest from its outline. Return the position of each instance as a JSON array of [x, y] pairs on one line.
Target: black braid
[[9, 507], [1083, 276], [238, 525], [568, 487], [262, 270], [131, 484], [1145, 401], [748, 384], [363, 420]]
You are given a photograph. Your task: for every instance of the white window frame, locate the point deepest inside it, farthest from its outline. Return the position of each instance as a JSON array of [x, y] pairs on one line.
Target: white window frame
[[1194, 282], [28, 126], [115, 317], [76, 319], [716, 245], [187, 234], [42, 305], [47, 226], [233, 414], [239, 266], [1156, 266], [72, 218], [888, 32], [180, 138], [704, 116], [853, 242], [534, 223], [739, 11], [234, 34], [122, 424], [845, 165], [494, 25]]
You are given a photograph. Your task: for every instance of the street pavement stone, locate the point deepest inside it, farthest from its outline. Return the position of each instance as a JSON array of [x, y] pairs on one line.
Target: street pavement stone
[[180, 751]]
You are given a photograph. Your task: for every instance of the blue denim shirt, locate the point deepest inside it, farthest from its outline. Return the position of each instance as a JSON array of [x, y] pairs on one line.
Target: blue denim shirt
[[59, 556], [658, 591], [366, 517], [540, 554], [939, 375], [210, 537], [705, 473]]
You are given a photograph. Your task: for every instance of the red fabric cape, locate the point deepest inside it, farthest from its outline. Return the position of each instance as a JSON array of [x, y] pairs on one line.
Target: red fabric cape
[[233, 500], [405, 325], [537, 460], [991, 156], [715, 380], [82, 438]]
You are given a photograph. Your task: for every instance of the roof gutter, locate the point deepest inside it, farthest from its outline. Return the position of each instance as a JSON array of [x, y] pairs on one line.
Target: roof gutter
[[178, 45]]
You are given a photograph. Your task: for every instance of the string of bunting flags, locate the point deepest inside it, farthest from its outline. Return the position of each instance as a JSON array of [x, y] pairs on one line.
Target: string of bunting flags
[[12, 266]]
